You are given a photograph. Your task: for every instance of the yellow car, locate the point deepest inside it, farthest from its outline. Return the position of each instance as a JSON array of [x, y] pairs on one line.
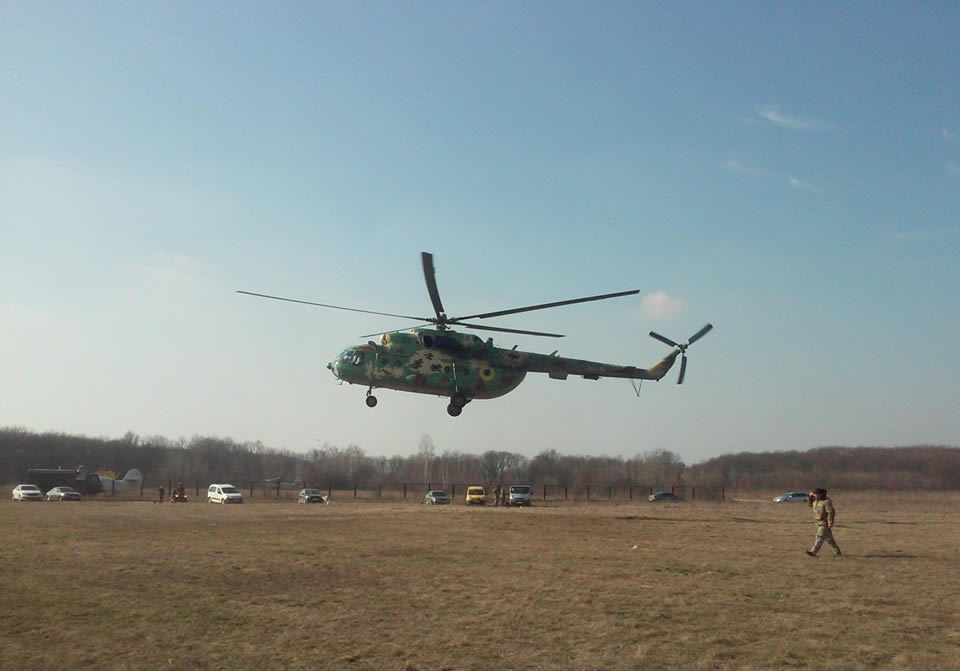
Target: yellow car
[[476, 494]]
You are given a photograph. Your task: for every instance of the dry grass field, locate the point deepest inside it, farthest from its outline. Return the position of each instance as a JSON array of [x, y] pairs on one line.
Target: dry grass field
[[366, 585]]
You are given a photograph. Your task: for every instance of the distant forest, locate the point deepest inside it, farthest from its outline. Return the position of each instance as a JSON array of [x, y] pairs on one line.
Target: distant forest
[[207, 459]]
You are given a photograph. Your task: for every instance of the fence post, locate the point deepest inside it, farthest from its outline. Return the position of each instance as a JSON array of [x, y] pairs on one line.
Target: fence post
[[329, 490], [354, 490], [278, 489], [196, 491], [564, 492], [544, 492], [723, 494], [693, 493], [631, 492], [404, 491]]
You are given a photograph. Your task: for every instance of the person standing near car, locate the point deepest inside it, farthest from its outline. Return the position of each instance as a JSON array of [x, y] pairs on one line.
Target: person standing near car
[[161, 491], [824, 514]]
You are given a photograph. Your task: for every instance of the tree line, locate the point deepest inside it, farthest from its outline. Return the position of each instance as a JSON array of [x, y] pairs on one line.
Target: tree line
[[919, 467], [208, 459]]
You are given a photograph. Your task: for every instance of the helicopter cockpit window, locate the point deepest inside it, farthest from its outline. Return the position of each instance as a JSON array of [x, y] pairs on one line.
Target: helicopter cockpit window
[[357, 358]]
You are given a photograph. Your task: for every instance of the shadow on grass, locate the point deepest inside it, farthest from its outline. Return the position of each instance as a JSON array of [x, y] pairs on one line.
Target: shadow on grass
[[889, 555]]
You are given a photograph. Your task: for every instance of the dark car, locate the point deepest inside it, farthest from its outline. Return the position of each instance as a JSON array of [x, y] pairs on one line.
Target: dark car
[[311, 496], [664, 497], [436, 496]]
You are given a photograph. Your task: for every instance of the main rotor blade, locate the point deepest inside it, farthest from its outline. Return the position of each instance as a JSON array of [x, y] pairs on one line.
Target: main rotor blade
[[683, 369], [699, 334], [544, 306], [335, 307], [506, 330], [431, 277], [370, 335], [663, 339]]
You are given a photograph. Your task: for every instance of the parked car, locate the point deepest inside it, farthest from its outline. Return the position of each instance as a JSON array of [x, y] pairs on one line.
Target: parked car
[[27, 493], [63, 494], [664, 497], [520, 495], [791, 497], [476, 494], [436, 496], [224, 494], [310, 495]]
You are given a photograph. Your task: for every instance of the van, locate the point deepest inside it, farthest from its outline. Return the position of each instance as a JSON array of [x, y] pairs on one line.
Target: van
[[476, 494], [520, 495], [224, 494]]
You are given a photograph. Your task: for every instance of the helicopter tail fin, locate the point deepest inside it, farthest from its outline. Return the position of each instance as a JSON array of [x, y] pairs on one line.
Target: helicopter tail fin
[[659, 369]]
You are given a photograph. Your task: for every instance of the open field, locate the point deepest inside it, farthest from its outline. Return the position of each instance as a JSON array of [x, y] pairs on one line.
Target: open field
[[364, 585]]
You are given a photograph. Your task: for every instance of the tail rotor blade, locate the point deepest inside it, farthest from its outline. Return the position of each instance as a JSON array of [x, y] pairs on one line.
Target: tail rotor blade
[[664, 340], [699, 334], [683, 369]]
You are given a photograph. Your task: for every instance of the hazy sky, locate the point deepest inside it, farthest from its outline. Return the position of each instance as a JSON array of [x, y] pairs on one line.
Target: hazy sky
[[789, 172]]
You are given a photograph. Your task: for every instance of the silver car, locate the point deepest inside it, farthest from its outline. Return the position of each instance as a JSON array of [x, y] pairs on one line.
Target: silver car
[[436, 497], [791, 497], [63, 494], [27, 493]]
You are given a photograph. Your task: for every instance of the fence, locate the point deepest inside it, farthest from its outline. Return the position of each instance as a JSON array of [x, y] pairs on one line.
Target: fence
[[415, 491]]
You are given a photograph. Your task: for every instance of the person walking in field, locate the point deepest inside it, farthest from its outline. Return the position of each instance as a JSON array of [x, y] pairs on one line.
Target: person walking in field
[[161, 492], [496, 496], [824, 514]]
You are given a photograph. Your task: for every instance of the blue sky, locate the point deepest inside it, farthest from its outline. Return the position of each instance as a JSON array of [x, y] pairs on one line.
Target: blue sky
[[790, 173]]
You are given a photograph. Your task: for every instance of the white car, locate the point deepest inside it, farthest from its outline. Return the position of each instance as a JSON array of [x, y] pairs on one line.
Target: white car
[[791, 497], [63, 494], [224, 494], [27, 493]]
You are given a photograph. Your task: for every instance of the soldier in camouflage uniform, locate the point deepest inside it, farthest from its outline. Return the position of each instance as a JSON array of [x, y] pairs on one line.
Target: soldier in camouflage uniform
[[823, 513]]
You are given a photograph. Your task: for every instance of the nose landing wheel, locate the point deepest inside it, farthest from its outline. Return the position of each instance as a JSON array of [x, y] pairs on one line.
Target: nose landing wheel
[[371, 400], [453, 410]]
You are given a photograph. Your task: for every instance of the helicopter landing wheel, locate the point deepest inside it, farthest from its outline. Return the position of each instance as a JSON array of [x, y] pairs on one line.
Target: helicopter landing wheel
[[458, 400], [371, 401], [453, 410]]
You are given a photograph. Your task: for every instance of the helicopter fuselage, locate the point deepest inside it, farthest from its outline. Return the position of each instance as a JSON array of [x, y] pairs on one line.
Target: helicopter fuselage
[[461, 365]]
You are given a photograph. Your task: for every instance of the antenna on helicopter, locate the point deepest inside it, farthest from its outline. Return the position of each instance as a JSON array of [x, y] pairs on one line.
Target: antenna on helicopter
[[682, 348]]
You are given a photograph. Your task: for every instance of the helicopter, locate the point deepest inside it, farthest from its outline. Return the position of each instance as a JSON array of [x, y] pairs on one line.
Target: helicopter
[[463, 367]]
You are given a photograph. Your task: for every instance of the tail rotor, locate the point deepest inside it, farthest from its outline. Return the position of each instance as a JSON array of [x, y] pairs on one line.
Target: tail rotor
[[682, 348]]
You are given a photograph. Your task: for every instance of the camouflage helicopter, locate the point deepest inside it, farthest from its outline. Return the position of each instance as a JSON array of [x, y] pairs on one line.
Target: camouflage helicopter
[[462, 366]]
